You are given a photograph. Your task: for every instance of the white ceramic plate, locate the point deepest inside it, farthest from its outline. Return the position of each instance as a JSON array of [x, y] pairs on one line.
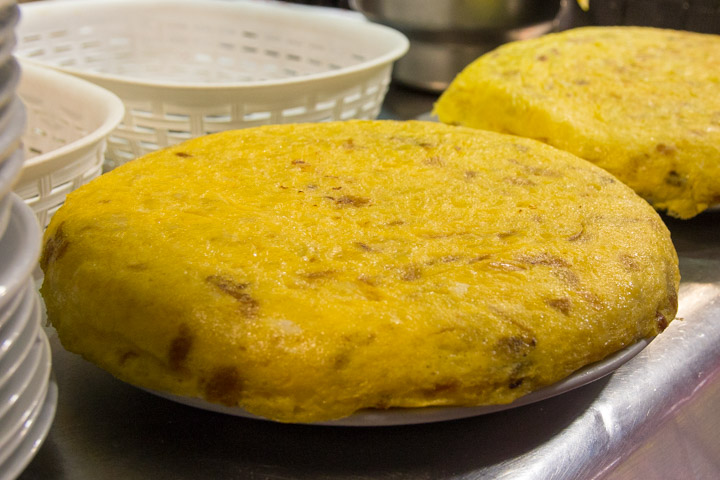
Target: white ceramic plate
[[12, 325], [33, 440], [42, 368], [19, 250], [9, 313], [35, 434], [8, 21], [18, 351], [9, 80], [13, 119], [409, 416], [10, 168], [27, 400], [21, 378], [19, 434], [5, 204]]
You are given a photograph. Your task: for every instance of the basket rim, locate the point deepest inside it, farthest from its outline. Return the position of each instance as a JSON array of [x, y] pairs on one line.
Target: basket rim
[[398, 41], [96, 94]]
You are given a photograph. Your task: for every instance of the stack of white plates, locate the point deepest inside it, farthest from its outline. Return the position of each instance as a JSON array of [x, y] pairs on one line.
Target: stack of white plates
[[12, 111], [28, 394]]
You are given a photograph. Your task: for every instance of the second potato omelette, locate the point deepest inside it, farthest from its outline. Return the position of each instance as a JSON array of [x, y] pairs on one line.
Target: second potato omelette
[[641, 102], [305, 272]]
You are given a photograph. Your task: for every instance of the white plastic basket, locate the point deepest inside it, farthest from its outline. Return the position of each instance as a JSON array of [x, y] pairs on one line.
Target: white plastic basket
[[68, 122], [189, 68]]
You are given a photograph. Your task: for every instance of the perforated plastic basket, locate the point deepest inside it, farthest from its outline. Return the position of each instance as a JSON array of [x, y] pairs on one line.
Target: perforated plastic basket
[[68, 122], [189, 68]]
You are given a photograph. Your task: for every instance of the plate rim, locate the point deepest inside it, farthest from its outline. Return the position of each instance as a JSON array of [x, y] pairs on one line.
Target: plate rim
[[24, 373], [19, 459], [422, 415], [21, 432], [27, 401], [32, 325], [24, 225]]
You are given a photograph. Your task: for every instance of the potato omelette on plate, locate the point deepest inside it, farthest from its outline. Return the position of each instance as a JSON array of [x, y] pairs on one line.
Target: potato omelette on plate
[[305, 272], [642, 103]]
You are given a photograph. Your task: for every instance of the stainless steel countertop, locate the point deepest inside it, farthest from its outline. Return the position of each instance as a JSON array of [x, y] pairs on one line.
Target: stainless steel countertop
[[655, 417]]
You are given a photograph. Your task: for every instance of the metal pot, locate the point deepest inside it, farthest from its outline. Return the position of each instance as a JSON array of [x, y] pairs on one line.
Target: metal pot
[[694, 15], [446, 35]]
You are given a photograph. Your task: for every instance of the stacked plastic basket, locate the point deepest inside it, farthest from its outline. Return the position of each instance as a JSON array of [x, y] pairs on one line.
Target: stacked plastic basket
[[65, 139], [28, 394], [185, 68]]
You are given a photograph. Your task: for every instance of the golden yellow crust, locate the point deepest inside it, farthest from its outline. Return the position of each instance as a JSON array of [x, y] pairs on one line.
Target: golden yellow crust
[[304, 272], [641, 103]]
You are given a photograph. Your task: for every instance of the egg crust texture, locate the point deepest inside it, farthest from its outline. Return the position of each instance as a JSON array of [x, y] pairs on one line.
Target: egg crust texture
[[304, 272], [642, 103]]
